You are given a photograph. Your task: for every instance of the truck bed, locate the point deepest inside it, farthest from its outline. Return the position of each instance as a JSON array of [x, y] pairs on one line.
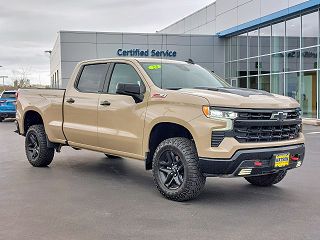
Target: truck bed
[[47, 102]]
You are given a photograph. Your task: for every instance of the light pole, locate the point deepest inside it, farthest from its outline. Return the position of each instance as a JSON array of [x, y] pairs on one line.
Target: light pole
[[3, 77]]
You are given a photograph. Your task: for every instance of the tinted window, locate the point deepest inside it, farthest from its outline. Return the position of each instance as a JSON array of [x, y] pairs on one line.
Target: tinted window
[[123, 73], [8, 95], [91, 77], [181, 75]]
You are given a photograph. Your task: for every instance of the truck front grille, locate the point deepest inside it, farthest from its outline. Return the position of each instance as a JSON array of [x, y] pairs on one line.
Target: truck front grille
[[266, 133], [262, 126], [267, 126]]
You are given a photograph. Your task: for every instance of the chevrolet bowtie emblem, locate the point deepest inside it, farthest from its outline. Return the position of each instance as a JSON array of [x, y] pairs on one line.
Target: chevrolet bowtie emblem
[[280, 116]]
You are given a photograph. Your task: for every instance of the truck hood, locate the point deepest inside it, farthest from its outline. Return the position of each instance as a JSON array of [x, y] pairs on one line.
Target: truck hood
[[242, 98]]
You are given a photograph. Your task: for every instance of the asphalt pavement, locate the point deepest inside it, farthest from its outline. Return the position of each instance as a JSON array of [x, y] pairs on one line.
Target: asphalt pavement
[[84, 195]]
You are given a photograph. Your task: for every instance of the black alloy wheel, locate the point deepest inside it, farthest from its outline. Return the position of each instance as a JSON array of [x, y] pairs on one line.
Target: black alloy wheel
[[171, 170], [33, 146]]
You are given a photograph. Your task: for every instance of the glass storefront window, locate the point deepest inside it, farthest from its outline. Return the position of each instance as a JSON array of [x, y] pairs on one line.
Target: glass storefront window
[[293, 27], [233, 48], [227, 50], [277, 84], [253, 66], [242, 82], [264, 83], [277, 63], [265, 37], [292, 85], [242, 46], [308, 94], [277, 39], [253, 43], [293, 61], [227, 70], [309, 58], [318, 102], [233, 69], [242, 67], [310, 29], [253, 82], [265, 64]]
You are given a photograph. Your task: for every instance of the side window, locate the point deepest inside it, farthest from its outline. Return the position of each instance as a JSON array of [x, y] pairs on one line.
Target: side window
[[91, 77], [123, 73]]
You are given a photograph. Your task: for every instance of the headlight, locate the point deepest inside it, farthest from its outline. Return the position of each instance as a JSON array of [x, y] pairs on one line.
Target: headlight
[[210, 112]]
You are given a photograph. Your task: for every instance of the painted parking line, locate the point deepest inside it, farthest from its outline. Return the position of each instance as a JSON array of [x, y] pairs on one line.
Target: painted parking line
[[311, 133]]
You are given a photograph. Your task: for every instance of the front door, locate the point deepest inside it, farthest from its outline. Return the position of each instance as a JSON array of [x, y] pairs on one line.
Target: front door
[[121, 120], [81, 106]]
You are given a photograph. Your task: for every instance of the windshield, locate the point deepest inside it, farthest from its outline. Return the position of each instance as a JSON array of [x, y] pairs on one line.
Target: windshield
[[8, 95], [182, 75]]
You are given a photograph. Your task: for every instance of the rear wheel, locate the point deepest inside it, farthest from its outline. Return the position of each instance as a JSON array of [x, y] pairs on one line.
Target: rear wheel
[[37, 151], [267, 180], [176, 172], [111, 156]]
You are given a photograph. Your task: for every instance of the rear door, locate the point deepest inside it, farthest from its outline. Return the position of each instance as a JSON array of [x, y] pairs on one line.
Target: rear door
[[121, 121], [81, 103]]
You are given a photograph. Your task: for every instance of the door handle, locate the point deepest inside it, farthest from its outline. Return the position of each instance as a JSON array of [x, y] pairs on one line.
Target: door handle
[[105, 103], [70, 100]]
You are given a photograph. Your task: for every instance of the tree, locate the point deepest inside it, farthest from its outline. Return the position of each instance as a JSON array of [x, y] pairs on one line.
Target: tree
[[20, 77]]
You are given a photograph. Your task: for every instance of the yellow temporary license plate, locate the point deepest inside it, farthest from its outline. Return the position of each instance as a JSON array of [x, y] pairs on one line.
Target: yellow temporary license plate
[[282, 160]]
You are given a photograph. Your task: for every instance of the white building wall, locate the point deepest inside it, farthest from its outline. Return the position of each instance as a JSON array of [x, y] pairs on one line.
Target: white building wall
[[224, 14]]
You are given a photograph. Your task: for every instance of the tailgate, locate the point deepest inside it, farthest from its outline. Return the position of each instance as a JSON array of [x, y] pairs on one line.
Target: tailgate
[[48, 103]]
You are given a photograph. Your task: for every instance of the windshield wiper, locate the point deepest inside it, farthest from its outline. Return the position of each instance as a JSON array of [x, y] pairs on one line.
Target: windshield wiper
[[173, 88], [209, 88]]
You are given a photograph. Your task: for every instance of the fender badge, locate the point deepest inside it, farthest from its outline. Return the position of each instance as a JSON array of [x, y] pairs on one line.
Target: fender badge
[[159, 95]]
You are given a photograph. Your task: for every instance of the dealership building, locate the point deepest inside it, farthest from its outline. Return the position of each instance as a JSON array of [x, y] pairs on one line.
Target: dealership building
[[271, 45]]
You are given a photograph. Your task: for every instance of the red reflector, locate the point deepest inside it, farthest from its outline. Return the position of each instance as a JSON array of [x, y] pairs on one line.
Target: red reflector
[[258, 164], [294, 158]]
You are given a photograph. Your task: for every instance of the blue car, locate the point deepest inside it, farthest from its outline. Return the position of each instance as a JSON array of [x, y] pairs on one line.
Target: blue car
[[8, 105]]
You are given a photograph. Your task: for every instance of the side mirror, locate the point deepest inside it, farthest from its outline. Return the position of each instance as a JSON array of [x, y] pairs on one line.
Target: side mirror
[[130, 89]]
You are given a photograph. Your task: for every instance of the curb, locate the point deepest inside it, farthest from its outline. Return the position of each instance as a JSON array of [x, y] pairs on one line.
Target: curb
[[311, 121]]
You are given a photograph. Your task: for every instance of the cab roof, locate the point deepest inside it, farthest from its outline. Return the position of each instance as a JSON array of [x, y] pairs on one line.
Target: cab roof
[[154, 60]]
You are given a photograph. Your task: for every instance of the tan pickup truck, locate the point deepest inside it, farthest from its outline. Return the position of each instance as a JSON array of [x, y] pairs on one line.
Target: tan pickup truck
[[185, 122]]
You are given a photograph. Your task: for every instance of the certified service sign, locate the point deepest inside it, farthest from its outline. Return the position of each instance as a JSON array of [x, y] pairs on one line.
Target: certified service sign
[[146, 53]]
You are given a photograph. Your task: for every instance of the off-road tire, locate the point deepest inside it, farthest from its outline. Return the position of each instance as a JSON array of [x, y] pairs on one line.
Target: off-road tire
[[45, 155], [111, 156], [193, 180], [267, 180]]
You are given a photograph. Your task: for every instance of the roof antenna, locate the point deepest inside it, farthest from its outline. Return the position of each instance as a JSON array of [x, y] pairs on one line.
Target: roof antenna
[[190, 61]]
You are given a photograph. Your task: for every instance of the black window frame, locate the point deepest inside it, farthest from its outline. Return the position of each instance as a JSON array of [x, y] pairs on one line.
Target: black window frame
[[100, 89]]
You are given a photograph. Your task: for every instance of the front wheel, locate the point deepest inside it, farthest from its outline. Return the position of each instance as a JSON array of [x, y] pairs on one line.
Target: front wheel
[[267, 180], [176, 172], [37, 151]]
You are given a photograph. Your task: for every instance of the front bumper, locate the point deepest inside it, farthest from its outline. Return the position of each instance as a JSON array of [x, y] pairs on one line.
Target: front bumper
[[242, 163]]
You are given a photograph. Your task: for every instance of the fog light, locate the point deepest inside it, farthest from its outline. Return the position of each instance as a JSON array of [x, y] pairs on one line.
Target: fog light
[[299, 163]]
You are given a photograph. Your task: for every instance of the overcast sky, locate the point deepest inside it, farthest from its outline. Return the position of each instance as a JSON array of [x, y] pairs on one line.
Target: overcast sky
[[29, 27]]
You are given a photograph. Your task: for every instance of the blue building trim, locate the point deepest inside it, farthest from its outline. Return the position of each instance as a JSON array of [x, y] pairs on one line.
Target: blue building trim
[[277, 16]]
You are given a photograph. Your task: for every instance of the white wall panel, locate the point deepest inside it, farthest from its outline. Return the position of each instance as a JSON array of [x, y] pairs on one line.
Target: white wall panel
[[225, 5], [249, 11]]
